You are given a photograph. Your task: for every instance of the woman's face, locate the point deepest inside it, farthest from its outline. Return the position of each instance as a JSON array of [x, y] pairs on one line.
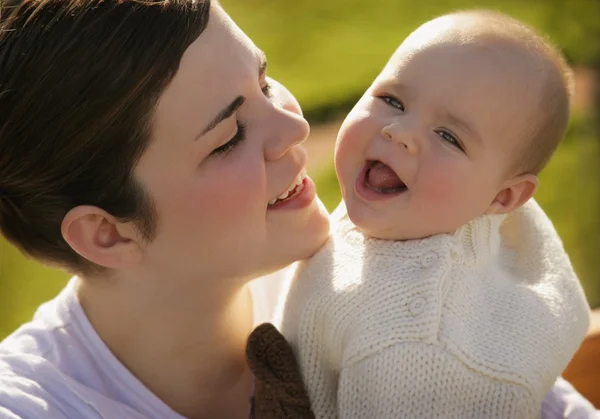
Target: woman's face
[[226, 143]]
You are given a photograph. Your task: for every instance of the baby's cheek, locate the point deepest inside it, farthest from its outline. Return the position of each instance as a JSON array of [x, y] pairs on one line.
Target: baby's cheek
[[352, 142], [445, 192], [455, 199], [344, 154]]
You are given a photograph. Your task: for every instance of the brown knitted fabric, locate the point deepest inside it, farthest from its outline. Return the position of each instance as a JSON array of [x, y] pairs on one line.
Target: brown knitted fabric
[[279, 392]]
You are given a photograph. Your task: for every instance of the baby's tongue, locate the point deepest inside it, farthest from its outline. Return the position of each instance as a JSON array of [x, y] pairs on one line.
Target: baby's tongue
[[380, 176]]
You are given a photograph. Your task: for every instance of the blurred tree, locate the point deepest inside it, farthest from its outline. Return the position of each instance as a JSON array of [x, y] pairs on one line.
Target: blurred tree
[[575, 25]]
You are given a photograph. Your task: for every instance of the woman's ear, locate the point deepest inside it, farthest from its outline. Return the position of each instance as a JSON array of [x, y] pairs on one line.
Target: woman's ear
[[514, 193], [100, 238]]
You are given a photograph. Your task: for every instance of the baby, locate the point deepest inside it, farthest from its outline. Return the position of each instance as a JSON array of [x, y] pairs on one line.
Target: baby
[[437, 294]]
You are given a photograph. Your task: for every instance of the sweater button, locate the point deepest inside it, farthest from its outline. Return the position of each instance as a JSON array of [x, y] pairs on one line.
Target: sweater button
[[417, 306], [429, 259], [456, 255]]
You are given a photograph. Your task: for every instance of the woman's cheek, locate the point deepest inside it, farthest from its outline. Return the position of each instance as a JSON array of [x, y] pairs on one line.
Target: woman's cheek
[[238, 189]]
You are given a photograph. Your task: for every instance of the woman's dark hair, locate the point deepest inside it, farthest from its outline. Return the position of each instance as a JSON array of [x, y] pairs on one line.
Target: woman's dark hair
[[79, 82]]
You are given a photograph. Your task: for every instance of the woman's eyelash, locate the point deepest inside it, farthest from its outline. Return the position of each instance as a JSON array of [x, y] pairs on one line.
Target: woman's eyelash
[[450, 139], [393, 102], [239, 136], [266, 89]]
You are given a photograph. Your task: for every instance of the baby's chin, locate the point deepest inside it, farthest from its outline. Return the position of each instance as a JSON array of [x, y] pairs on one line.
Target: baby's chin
[[378, 228], [392, 233]]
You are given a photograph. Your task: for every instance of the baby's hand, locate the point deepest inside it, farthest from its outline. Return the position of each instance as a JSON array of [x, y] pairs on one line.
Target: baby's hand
[[279, 392]]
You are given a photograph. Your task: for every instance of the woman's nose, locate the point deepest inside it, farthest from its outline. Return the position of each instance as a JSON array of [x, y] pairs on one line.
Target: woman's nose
[[401, 134], [287, 129]]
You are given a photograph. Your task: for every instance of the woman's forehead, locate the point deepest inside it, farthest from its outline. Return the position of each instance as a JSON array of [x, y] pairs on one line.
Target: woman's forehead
[[221, 43], [214, 70]]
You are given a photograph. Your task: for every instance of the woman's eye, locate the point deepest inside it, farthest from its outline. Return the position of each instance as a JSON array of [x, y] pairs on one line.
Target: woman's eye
[[450, 139], [393, 102], [266, 89], [239, 136]]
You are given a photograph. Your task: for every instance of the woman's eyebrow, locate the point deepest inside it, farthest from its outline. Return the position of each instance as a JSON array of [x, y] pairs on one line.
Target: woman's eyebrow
[[225, 113], [262, 63], [237, 102]]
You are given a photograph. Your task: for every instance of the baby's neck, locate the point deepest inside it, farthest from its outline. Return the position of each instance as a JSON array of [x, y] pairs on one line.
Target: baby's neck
[[473, 242]]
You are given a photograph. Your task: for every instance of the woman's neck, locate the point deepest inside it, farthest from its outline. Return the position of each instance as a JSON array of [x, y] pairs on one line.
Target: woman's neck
[[188, 349]]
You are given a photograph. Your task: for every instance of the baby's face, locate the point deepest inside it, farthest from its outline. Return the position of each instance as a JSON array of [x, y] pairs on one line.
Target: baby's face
[[428, 146]]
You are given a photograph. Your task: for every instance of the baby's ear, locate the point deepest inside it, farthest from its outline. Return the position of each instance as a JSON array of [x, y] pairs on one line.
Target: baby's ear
[[514, 193]]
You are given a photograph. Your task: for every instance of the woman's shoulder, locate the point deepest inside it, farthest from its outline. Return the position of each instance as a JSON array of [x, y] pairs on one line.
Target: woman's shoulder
[[50, 325], [56, 366], [32, 382], [30, 387], [33, 387], [25, 397]]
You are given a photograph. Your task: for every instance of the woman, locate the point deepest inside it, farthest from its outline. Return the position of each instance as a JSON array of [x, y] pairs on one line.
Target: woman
[[143, 147]]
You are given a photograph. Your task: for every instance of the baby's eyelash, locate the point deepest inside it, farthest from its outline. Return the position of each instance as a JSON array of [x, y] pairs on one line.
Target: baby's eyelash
[[450, 139], [393, 102]]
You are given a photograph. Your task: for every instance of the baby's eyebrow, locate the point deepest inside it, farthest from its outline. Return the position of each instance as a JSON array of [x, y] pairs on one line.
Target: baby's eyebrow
[[405, 91], [464, 125]]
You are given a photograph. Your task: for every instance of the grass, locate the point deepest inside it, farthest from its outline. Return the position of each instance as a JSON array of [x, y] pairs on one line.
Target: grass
[[24, 284], [569, 192]]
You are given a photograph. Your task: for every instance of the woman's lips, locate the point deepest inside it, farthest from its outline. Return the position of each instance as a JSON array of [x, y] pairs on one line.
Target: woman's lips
[[301, 196]]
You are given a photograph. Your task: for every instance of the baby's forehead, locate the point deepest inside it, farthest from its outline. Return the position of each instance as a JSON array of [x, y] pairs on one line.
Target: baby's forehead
[[495, 61], [467, 30]]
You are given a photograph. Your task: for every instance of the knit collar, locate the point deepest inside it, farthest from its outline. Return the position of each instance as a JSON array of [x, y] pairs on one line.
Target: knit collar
[[472, 244]]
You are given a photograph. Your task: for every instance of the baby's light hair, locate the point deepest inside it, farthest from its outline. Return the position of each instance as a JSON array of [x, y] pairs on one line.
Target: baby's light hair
[[555, 82]]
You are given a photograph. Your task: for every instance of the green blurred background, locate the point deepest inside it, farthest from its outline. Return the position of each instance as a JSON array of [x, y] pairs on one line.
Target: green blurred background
[[327, 53]]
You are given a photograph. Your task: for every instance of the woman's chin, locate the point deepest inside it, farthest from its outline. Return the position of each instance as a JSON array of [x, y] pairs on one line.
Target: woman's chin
[[319, 226], [303, 238]]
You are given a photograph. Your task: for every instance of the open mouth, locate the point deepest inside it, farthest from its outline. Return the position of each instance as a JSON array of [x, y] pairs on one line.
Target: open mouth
[[292, 191], [381, 178]]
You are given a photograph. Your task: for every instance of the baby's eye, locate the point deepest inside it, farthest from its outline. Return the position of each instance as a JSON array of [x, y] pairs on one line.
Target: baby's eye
[[392, 101], [450, 139]]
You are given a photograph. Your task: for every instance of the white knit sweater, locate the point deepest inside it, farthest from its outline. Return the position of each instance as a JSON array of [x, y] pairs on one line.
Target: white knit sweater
[[478, 324]]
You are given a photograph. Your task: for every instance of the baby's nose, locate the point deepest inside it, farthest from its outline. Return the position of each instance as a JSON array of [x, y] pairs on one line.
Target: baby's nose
[[402, 134]]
